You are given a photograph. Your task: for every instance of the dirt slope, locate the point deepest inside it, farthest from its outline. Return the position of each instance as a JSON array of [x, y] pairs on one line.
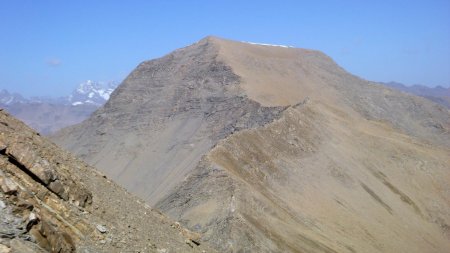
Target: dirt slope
[[319, 180], [52, 202]]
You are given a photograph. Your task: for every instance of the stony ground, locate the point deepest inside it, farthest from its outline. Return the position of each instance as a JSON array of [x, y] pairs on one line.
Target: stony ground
[[52, 202]]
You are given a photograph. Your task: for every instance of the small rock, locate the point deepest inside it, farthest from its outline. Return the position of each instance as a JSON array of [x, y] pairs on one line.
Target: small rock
[[162, 250], [32, 220], [32, 217], [7, 234], [24, 205], [2, 205], [8, 186], [102, 229], [27, 238], [188, 242], [4, 249], [24, 247]]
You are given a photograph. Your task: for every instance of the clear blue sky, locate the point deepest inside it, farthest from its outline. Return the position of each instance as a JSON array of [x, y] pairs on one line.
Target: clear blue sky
[[48, 47]]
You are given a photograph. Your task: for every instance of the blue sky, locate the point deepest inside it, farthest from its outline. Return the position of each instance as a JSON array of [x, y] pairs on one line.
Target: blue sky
[[48, 47]]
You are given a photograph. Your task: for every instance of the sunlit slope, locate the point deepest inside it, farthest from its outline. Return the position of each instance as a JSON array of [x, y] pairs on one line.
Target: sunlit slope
[[279, 76], [319, 180], [275, 149]]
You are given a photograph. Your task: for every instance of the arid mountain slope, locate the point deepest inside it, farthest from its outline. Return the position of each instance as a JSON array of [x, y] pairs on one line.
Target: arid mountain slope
[[170, 111], [163, 118], [52, 202], [319, 180], [273, 149], [275, 76]]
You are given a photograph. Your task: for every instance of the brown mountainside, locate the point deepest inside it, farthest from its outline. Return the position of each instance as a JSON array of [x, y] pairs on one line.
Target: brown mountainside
[[273, 149], [52, 202]]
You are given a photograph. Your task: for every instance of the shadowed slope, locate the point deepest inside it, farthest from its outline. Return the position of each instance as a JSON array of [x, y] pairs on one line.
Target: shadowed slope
[[52, 202]]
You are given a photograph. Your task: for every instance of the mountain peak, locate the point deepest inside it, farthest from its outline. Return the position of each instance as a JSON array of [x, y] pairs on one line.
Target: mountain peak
[[212, 38], [92, 92], [218, 135]]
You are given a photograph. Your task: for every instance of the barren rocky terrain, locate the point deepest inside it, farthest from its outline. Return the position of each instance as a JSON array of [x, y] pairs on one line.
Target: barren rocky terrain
[[52, 202], [262, 148]]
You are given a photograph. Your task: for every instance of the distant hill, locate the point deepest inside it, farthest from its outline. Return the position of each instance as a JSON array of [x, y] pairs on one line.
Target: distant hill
[[267, 148], [438, 94], [47, 115]]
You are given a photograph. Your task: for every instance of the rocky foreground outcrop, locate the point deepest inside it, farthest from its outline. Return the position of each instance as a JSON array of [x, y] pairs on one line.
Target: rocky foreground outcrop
[[51, 202]]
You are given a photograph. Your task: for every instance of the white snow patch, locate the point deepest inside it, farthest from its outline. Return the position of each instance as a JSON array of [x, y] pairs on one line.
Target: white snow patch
[[270, 45], [77, 103], [104, 94]]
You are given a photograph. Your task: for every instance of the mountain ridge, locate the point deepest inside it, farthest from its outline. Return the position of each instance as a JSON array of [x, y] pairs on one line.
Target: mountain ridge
[[222, 135], [438, 94]]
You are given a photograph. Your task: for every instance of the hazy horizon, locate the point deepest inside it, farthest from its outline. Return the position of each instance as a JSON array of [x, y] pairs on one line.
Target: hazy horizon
[[51, 47]]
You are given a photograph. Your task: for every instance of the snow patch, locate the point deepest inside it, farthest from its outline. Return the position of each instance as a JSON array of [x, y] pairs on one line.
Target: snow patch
[[270, 45], [93, 92]]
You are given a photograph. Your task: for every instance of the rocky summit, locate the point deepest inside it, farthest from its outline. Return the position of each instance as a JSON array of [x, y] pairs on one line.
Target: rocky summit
[[265, 148], [52, 202]]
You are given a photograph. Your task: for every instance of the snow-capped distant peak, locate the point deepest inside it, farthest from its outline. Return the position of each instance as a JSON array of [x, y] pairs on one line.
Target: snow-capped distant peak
[[91, 92], [87, 86], [270, 45]]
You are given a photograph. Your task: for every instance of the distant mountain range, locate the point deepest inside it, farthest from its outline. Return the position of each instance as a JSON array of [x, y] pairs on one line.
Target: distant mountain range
[[48, 114], [438, 94]]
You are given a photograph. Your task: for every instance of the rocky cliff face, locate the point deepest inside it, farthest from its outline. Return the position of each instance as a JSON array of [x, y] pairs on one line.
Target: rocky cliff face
[[271, 149], [51, 202]]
